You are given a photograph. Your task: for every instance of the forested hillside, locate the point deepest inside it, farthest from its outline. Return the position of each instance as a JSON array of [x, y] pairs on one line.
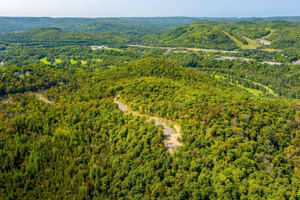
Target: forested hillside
[[266, 80], [198, 36], [230, 35], [118, 26], [218, 34], [156, 24], [58, 37], [63, 134], [234, 146]]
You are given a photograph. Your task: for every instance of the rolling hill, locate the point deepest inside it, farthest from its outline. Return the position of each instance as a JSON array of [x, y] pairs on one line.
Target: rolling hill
[[72, 141], [230, 35], [157, 24], [58, 37]]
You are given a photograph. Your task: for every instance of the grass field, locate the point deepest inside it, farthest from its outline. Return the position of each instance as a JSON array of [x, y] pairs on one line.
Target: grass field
[[272, 50], [239, 43], [252, 44], [268, 36], [253, 91], [98, 60], [57, 61], [73, 62], [114, 49], [45, 61]]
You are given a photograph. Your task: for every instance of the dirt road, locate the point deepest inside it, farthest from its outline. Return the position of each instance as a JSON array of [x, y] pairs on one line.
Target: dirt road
[[186, 48], [6, 100], [42, 98], [171, 143]]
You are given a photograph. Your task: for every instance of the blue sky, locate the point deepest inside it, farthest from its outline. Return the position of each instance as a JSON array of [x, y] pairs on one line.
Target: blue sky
[[150, 8]]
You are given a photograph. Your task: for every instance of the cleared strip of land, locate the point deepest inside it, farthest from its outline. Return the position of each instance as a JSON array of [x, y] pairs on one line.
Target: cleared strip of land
[[42, 98], [186, 48], [171, 143]]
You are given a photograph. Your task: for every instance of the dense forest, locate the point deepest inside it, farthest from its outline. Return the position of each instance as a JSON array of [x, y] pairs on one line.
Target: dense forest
[[57, 37], [265, 79], [222, 34], [123, 24], [62, 136], [230, 35]]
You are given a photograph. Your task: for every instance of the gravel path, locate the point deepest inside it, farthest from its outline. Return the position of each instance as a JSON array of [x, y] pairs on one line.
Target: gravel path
[[6, 100], [171, 143], [42, 98]]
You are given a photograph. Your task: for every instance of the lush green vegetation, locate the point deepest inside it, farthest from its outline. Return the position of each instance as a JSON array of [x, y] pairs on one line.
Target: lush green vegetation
[[116, 26], [222, 34], [284, 80], [235, 146], [131, 24], [198, 36], [63, 137], [230, 35], [56, 37]]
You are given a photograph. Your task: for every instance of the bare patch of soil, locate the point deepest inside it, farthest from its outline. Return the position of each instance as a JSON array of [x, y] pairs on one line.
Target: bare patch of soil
[[171, 143]]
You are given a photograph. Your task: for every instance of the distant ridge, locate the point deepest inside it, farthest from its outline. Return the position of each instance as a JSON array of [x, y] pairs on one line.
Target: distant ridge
[[17, 24]]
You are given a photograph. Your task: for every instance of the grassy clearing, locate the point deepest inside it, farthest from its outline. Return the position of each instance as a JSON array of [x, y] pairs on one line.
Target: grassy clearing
[[272, 50], [252, 44], [73, 62], [239, 43], [45, 61], [219, 77], [268, 36], [253, 91], [209, 50], [57, 61], [98, 60], [114, 49], [270, 91], [83, 62]]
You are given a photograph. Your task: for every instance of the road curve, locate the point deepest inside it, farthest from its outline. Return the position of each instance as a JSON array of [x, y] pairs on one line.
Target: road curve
[[171, 142]]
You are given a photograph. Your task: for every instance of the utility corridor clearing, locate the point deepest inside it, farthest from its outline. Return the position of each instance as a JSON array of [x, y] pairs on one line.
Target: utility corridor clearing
[[171, 143]]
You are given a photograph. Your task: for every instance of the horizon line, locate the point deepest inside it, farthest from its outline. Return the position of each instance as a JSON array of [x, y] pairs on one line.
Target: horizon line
[[96, 17]]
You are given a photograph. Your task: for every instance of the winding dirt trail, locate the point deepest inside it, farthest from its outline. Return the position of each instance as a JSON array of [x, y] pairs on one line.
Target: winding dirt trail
[[42, 98], [6, 100], [171, 143], [38, 95]]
